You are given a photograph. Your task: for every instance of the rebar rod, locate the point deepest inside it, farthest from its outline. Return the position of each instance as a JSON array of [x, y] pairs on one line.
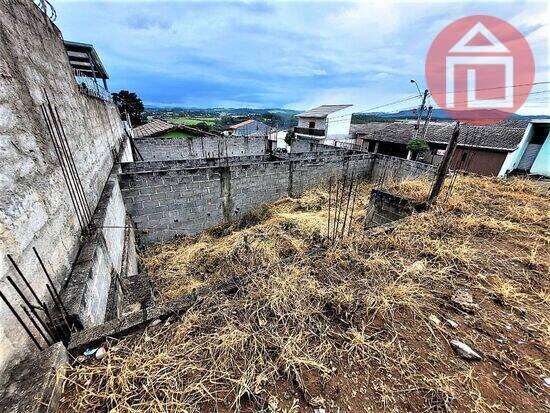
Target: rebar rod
[[65, 176], [28, 304], [63, 310], [329, 197], [59, 309], [68, 163], [24, 280], [21, 322], [55, 336], [347, 205], [71, 160], [26, 311]]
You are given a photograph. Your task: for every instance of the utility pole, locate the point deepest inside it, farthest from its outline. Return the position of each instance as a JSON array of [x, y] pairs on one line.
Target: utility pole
[[422, 105], [427, 122], [444, 165]]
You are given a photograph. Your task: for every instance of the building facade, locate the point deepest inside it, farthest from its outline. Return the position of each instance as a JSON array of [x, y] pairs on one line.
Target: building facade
[[327, 123], [511, 146]]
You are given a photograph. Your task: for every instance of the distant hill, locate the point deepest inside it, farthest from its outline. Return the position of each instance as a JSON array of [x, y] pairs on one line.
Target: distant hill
[[436, 114]]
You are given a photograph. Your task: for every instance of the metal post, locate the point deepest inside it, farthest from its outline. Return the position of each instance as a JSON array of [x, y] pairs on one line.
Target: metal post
[[20, 320]]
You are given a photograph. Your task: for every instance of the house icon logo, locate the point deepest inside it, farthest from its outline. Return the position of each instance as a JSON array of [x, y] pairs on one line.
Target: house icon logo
[[480, 69]]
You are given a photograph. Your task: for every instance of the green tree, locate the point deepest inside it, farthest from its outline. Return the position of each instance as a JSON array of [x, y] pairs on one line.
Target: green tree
[[129, 102], [416, 146], [203, 126], [289, 137]]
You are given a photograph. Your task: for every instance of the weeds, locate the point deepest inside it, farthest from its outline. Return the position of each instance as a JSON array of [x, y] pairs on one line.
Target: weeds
[[305, 308]]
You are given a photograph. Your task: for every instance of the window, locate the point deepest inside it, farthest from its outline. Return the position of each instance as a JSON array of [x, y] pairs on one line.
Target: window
[[312, 125]]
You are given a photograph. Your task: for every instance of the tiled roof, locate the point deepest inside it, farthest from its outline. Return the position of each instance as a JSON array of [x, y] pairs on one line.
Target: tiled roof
[[504, 135], [153, 128], [322, 111], [241, 124]]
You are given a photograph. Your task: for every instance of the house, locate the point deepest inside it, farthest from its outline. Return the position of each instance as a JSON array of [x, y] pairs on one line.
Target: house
[[249, 127], [329, 123], [500, 149], [161, 129]]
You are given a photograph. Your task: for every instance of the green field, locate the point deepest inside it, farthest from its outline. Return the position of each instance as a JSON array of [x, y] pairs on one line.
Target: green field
[[192, 120]]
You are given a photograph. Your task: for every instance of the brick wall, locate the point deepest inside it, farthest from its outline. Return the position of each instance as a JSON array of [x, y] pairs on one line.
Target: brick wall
[[165, 149]]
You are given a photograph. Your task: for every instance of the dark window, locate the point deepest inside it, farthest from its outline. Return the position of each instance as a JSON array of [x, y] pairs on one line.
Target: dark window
[[311, 125], [540, 132], [464, 156]]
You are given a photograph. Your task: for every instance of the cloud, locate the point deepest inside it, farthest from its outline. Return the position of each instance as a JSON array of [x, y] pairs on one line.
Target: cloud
[[286, 54]]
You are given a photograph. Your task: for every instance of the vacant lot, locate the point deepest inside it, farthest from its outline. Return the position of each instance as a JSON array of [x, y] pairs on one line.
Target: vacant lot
[[361, 326]]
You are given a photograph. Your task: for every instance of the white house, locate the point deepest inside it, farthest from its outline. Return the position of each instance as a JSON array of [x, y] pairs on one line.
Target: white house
[[328, 123]]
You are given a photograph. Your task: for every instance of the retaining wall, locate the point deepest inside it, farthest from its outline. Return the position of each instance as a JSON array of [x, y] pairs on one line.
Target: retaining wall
[[35, 207]]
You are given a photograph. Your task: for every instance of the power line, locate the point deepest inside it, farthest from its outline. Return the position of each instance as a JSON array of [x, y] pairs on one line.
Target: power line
[[490, 88]]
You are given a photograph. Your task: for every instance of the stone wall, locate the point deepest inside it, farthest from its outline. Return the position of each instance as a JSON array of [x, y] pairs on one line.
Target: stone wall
[[165, 149], [35, 207]]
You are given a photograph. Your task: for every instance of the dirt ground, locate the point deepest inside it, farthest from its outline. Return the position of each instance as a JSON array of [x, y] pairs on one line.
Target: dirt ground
[[360, 325]]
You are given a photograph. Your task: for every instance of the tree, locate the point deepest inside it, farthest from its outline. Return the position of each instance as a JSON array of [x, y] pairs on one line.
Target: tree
[[289, 137], [129, 102], [203, 126], [416, 146]]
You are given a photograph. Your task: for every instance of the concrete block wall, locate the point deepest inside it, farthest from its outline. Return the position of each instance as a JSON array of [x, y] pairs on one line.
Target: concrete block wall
[[385, 207], [165, 149], [35, 207], [164, 203], [301, 145], [391, 167]]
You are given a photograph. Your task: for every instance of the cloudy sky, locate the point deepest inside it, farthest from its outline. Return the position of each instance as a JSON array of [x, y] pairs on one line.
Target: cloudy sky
[[284, 54]]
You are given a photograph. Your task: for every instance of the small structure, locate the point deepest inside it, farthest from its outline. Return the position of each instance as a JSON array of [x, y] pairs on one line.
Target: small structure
[[497, 149], [89, 72], [329, 123], [249, 127]]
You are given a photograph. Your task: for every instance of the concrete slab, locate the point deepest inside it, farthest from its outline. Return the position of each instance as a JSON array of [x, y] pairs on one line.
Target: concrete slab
[[34, 385]]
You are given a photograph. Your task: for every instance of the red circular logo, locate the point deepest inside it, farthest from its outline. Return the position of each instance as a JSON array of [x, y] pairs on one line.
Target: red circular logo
[[480, 69]]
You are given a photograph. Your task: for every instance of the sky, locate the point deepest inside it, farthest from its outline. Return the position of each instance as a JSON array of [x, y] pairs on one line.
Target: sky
[[283, 54]]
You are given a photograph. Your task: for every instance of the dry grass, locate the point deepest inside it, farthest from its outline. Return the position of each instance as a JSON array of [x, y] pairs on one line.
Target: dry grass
[[308, 318]]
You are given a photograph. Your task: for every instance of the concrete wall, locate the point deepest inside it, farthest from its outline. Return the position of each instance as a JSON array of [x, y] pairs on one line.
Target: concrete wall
[[200, 147], [100, 260], [186, 200], [254, 127], [385, 207], [320, 123], [35, 208]]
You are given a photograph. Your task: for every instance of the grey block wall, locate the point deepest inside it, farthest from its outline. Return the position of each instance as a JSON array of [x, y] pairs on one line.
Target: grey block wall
[[166, 149], [183, 200], [301, 145]]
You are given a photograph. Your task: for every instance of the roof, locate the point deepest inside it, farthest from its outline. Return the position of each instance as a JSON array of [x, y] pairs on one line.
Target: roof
[[241, 124], [158, 126], [503, 136], [84, 59], [322, 111], [153, 128]]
